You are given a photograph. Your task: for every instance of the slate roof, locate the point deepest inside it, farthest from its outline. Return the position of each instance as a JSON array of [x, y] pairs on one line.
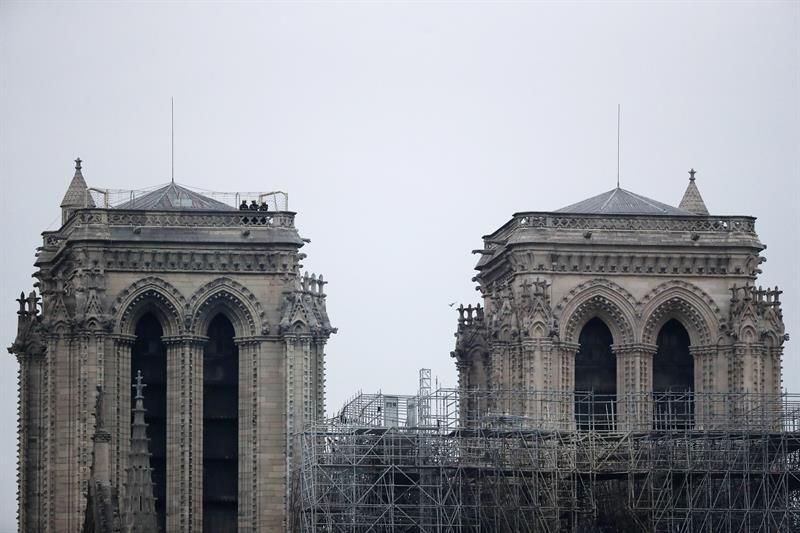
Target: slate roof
[[622, 202], [175, 197]]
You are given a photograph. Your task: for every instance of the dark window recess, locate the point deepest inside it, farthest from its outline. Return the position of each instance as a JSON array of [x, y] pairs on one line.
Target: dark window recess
[[595, 378], [220, 428], [150, 357], [673, 379]]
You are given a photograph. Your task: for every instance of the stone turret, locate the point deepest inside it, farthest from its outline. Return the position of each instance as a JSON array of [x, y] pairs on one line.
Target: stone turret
[[692, 201], [77, 195], [139, 506]]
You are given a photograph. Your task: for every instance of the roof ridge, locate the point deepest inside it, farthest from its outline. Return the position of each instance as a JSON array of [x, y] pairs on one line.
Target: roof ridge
[[610, 196], [174, 196], [621, 201], [648, 201]]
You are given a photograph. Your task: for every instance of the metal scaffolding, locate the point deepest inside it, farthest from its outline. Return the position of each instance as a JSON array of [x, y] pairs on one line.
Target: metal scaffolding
[[545, 462]]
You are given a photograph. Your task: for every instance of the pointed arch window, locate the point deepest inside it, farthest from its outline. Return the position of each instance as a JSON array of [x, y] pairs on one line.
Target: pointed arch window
[[595, 378], [673, 378], [220, 428]]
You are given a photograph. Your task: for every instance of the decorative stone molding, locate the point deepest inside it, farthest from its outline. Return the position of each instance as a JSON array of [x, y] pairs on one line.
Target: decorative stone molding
[[684, 302], [537, 319], [303, 311], [121, 217], [598, 298], [635, 223], [154, 260], [30, 331], [150, 290], [232, 295], [756, 315]]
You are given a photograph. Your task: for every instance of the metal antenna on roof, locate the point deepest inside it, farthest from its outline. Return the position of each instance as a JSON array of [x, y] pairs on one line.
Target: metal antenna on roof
[[619, 108], [172, 124]]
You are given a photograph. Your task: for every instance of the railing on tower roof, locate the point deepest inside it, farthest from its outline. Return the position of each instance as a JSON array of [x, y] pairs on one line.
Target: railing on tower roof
[[113, 198]]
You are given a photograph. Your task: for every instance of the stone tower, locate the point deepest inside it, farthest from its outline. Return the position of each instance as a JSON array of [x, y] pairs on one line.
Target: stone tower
[[208, 301], [618, 296]]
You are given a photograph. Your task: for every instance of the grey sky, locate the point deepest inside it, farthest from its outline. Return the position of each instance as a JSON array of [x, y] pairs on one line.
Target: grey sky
[[403, 133]]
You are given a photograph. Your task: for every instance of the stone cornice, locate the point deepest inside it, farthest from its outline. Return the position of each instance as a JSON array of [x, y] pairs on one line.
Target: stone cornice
[[177, 218], [123, 338], [568, 346], [714, 224], [634, 348], [197, 340], [703, 349], [256, 339]]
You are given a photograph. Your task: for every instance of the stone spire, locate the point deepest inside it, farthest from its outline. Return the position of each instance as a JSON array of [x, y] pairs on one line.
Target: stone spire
[[77, 194], [139, 507], [102, 501], [692, 201]]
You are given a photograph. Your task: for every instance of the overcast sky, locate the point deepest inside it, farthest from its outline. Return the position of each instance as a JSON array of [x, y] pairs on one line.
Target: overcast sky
[[403, 133]]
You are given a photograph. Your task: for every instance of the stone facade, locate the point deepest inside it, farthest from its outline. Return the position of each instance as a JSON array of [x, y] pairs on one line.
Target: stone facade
[[634, 264], [185, 264]]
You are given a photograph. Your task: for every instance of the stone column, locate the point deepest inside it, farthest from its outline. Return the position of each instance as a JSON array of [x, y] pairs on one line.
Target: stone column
[[271, 408], [320, 378], [563, 394], [542, 369], [65, 442], [118, 393], [634, 385], [249, 350], [773, 386], [708, 402], [498, 362], [30, 442], [184, 489]]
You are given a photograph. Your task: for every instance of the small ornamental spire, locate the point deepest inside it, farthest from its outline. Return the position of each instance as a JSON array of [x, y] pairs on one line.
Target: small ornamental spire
[[102, 500], [138, 508], [692, 200], [139, 386], [77, 195]]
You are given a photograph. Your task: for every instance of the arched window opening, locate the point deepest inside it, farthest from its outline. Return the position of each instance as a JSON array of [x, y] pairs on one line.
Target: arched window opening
[[220, 428], [595, 378], [150, 357], [673, 378]]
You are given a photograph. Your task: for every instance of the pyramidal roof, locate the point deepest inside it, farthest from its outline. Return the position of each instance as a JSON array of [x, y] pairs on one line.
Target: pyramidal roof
[[692, 200], [77, 194], [174, 197], [623, 202]]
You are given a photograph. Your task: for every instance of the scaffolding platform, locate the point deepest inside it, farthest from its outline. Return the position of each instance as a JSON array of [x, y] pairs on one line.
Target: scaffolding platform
[[513, 461]]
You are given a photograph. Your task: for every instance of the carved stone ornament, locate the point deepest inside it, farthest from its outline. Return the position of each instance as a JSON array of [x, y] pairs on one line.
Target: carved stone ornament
[[598, 297], [303, 311], [153, 290], [756, 315], [234, 295], [29, 340], [502, 321], [537, 318]]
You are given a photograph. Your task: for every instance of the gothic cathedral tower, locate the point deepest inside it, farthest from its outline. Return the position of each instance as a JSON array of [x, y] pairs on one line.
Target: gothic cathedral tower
[[207, 301], [622, 297]]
